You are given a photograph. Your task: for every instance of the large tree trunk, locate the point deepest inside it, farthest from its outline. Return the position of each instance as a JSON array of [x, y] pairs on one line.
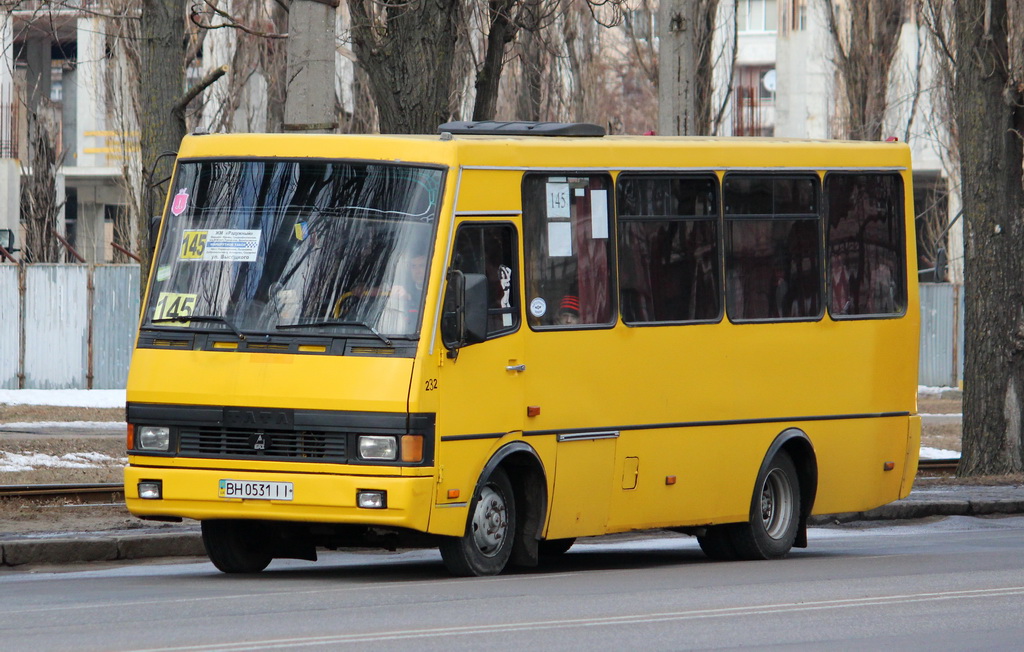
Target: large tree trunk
[[685, 30], [988, 113], [501, 32], [162, 59], [407, 49]]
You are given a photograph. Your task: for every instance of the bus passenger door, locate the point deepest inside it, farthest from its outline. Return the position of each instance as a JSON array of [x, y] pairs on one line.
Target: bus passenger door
[[481, 386]]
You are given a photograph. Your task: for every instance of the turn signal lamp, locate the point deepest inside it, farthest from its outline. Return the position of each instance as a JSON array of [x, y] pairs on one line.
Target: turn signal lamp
[[412, 448]]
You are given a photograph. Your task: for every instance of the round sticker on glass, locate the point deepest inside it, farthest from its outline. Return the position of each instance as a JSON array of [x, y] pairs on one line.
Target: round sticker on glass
[[538, 307]]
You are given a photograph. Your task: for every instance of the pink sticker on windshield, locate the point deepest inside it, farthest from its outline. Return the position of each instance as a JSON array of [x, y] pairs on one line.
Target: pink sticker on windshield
[[180, 202]]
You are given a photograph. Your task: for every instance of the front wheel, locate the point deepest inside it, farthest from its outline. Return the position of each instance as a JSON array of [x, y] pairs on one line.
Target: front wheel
[[487, 544], [236, 546], [774, 513]]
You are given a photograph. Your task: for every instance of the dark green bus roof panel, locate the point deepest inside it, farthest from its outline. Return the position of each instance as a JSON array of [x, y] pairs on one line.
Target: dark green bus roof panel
[[521, 128]]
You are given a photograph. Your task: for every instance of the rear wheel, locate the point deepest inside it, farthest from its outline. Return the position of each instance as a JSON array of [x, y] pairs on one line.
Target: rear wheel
[[236, 546], [487, 544], [774, 513]]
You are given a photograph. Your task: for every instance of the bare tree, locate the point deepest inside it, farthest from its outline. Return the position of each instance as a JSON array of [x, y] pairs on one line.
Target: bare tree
[[990, 118], [865, 36], [685, 66], [406, 48]]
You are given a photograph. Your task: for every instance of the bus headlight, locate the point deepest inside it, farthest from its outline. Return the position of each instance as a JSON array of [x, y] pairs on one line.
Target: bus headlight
[[378, 447], [153, 438]]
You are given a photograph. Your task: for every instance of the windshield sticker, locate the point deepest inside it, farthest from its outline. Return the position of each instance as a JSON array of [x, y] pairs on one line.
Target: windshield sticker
[[538, 307], [163, 273], [171, 305], [559, 239], [301, 230], [180, 202], [599, 214], [558, 200], [220, 245]]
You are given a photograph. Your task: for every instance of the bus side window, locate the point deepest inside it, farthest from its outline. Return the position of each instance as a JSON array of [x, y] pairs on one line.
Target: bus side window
[[668, 248], [490, 249], [866, 266], [567, 238], [772, 247]]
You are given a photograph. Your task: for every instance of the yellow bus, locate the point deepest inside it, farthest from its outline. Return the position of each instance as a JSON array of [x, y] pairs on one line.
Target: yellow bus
[[506, 336]]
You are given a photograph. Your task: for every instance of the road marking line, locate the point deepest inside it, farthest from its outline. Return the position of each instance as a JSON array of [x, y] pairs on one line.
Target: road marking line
[[438, 632]]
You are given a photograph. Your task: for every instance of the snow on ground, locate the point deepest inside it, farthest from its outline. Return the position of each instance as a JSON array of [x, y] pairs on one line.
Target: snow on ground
[[99, 398], [12, 462]]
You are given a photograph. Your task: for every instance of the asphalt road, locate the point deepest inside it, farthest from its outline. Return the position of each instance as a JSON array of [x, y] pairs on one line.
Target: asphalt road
[[955, 583]]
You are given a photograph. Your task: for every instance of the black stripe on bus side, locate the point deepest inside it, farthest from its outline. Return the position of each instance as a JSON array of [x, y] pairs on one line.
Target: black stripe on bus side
[[486, 435], [703, 424]]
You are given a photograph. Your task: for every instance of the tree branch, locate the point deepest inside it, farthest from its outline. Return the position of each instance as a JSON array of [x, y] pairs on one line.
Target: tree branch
[[192, 93], [196, 17]]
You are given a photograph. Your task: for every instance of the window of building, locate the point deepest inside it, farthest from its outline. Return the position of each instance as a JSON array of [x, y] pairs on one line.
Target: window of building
[[865, 244], [490, 249], [568, 248], [772, 247], [757, 15], [668, 248]]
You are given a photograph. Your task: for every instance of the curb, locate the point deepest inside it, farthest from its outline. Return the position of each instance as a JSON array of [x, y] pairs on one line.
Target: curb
[[63, 550], [919, 509], [119, 546]]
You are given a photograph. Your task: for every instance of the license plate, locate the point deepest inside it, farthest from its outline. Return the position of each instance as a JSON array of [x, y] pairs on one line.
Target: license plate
[[250, 490]]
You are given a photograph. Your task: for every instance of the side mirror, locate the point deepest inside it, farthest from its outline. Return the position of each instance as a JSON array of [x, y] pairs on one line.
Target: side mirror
[[154, 231], [464, 314]]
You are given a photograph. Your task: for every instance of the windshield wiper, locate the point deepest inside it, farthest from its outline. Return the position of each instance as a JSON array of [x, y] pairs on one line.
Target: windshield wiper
[[314, 324], [207, 318]]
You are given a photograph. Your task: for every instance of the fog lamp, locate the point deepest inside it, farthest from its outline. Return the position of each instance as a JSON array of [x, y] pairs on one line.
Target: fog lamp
[[378, 447], [153, 438], [151, 489], [367, 499]]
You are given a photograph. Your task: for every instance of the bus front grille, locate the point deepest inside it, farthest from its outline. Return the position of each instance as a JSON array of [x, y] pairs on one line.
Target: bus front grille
[[265, 445]]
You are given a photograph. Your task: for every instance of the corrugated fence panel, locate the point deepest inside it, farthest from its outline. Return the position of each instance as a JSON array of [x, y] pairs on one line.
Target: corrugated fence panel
[[10, 343], [115, 306], [56, 326], [939, 366]]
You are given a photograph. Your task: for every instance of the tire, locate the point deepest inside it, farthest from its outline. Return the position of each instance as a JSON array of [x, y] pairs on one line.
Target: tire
[[717, 543], [236, 546], [554, 547], [487, 544], [774, 513]]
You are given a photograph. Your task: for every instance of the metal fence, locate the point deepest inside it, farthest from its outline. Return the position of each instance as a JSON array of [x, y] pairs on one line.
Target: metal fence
[[73, 327], [67, 326], [942, 335]]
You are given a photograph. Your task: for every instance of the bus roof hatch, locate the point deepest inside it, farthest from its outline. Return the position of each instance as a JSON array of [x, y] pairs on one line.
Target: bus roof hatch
[[521, 128]]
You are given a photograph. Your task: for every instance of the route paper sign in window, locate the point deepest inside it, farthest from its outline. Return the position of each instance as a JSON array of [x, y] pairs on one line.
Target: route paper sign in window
[[220, 244]]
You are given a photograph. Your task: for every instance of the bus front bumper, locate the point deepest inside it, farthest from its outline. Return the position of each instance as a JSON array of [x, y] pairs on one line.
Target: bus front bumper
[[305, 497]]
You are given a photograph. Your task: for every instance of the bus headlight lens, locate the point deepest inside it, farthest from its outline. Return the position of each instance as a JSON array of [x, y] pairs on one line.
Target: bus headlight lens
[[378, 447], [153, 438]]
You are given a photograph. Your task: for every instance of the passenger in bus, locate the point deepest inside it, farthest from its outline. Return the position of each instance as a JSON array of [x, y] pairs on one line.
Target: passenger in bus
[[840, 300], [569, 310]]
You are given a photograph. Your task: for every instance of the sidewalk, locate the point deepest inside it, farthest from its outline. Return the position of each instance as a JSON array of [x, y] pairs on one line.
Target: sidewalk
[[183, 540]]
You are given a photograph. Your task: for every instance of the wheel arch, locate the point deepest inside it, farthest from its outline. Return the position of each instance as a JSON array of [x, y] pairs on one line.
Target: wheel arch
[[526, 471], [798, 446]]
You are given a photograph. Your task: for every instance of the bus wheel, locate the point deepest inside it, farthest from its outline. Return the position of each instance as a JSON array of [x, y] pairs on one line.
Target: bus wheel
[[717, 543], [236, 546], [554, 547], [487, 544], [774, 512]]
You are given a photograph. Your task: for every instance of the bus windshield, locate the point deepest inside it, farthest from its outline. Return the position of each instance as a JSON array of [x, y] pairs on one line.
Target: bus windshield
[[272, 246]]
